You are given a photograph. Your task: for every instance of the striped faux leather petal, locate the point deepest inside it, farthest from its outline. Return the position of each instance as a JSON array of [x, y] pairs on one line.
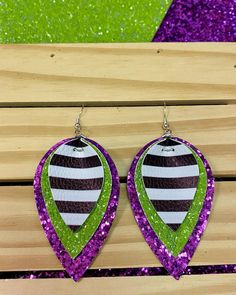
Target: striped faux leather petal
[[75, 170], [170, 166]]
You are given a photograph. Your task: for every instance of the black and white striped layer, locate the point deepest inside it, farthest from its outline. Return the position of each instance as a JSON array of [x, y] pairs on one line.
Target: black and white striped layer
[[170, 174], [76, 177]]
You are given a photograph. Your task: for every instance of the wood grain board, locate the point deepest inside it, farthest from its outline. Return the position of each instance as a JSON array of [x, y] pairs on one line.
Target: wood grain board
[[23, 244], [123, 87], [197, 285], [27, 133], [120, 74]]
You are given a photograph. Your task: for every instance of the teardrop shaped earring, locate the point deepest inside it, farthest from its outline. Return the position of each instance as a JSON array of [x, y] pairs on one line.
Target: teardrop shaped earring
[[76, 189], [171, 187]]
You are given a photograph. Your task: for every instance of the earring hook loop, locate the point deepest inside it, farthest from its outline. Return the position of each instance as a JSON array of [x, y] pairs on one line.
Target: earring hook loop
[[78, 123], [166, 125]]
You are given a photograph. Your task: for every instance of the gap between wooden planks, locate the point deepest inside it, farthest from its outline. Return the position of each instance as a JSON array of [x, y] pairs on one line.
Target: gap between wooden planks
[[27, 133], [224, 284], [117, 74], [23, 245]]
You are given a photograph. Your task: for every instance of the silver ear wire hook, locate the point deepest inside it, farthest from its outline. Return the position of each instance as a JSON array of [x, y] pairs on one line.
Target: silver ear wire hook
[[78, 122], [166, 126]]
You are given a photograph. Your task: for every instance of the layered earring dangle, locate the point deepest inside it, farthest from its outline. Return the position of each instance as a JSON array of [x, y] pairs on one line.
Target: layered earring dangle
[[76, 188], [171, 187]]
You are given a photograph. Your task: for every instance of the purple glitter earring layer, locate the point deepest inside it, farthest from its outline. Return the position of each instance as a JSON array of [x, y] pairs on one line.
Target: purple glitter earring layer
[[176, 266], [76, 267]]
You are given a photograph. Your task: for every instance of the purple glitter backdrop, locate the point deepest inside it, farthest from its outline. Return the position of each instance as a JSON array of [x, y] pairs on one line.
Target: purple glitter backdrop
[[199, 21], [76, 267], [176, 266], [123, 272]]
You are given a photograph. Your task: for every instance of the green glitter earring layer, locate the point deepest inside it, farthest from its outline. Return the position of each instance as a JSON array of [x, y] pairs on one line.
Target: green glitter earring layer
[[171, 186], [76, 189], [75, 236], [173, 235]]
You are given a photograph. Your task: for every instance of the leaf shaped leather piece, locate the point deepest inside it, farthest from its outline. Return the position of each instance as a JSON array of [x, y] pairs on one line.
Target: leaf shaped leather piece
[[76, 190], [164, 175], [75, 176]]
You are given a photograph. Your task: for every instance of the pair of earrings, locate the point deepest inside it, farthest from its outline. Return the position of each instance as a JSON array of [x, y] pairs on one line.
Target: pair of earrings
[[170, 186]]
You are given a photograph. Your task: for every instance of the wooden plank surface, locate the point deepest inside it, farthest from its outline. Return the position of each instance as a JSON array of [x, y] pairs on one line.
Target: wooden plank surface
[[97, 74], [196, 285], [27, 133], [121, 85], [23, 245]]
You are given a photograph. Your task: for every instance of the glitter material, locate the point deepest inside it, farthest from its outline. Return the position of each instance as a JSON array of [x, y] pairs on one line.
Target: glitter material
[[123, 272], [174, 241], [197, 20], [174, 265], [59, 21], [74, 242], [76, 267]]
